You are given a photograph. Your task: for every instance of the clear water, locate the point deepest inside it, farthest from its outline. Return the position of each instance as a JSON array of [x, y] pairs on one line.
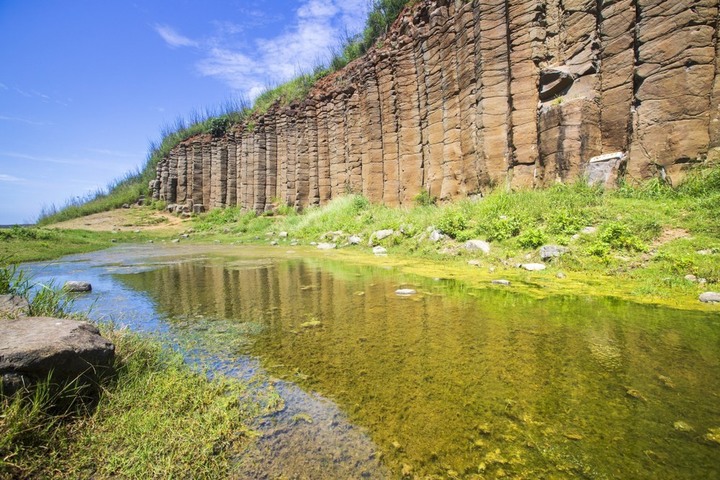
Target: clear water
[[449, 383]]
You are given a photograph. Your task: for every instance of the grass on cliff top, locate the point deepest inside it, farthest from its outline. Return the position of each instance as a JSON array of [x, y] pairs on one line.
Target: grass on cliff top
[[652, 234]]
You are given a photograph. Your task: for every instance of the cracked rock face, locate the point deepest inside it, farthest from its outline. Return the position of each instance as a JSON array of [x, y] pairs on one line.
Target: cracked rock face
[[33, 347], [461, 96]]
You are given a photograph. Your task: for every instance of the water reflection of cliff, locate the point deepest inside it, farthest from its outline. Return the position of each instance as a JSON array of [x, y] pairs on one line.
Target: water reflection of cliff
[[473, 382]]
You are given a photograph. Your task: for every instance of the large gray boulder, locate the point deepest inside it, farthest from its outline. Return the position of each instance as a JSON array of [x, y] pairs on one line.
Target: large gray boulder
[[33, 347]]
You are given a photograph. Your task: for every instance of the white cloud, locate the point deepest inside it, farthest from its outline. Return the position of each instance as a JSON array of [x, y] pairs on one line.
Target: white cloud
[[114, 153], [9, 178], [174, 39], [315, 32], [21, 120]]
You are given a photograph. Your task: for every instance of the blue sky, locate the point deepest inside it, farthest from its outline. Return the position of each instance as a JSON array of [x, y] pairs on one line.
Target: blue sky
[[85, 85]]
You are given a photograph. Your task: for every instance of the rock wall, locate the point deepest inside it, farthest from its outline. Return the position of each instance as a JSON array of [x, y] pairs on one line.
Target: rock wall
[[461, 96]]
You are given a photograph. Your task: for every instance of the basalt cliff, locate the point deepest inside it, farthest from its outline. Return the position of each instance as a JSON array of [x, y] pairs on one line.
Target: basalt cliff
[[461, 96]]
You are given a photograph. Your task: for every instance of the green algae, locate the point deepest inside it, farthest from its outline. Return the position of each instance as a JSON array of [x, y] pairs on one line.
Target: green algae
[[465, 380]]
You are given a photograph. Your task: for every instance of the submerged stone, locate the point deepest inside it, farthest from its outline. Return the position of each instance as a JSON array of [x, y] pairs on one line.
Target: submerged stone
[[326, 246], [503, 282], [380, 251], [682, 426], [311, 324], [76, 286], [405, 291]]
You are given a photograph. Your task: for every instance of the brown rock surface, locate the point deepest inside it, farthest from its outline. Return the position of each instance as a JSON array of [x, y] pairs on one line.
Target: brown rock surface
[[462, 96]]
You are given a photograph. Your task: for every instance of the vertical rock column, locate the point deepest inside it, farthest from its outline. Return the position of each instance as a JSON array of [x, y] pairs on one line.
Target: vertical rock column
[[303, 161], [524, 34], [182, 175], [409, 133], [291, 157], [232, 175], [323, 150], [281, 146], [248, 144], [434, 104], [494, 110], [335, 158], [197, 173], [259, 166], [237, 133], [172, 176], [353, 142], [467, 100], [372, 171], [451, 150], [389, 126], [271, 161], [206, 171], [617, 63], [714, 127], [312, 152], [674, 77]]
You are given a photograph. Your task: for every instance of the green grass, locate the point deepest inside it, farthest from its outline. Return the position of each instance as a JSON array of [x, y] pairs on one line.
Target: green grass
[[155, 419], [25, 244]]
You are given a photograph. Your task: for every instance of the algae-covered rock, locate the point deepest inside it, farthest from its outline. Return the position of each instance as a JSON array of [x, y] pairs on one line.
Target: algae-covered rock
[[713, 435], [683, 426]]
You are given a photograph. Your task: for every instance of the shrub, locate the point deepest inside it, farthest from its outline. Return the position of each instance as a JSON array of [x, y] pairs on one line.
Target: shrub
[[532, 238], [424, 199], [501, 228], [617, 235], [452, 223], [565, 222]]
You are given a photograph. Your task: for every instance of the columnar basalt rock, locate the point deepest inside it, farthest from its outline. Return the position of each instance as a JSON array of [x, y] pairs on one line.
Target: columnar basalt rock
[[461, 96]]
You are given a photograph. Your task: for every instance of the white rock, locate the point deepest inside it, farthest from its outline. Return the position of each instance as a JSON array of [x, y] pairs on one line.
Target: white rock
[[326, 246], [474, 245], [354, 240], [380, 251], [505, 283], [533, 267], [710, 297], [436, 236]]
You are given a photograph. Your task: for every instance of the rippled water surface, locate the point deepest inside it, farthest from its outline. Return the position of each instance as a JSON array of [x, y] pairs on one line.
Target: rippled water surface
[[449, 383]]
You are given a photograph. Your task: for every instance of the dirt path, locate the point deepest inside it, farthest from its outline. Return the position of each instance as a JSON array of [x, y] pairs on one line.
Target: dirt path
[[125, 219]]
